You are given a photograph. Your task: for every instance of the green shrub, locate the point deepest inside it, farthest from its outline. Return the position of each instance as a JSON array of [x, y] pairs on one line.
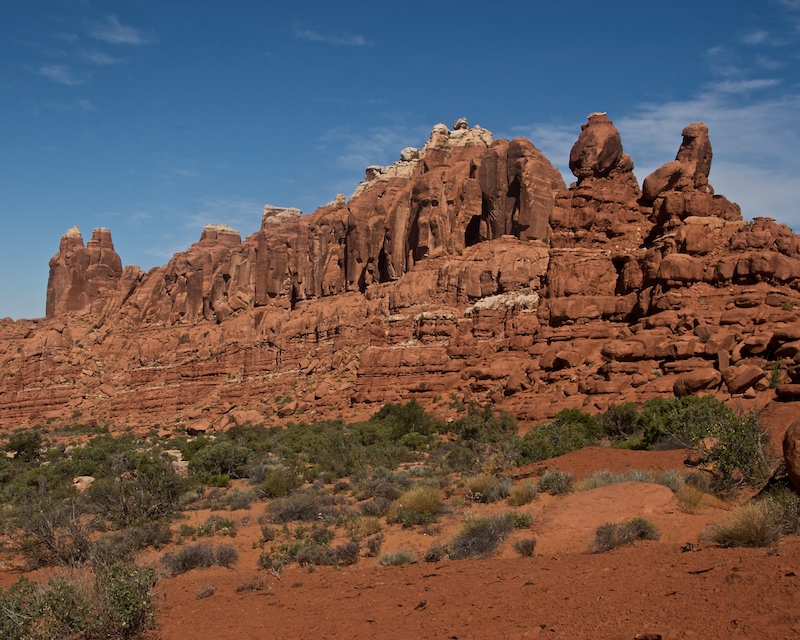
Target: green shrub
[[569, 431], [309, 506], [612, 535], [143, 488], [754, 524], [556, 482], [481, 536], [277, 481], [486, 487], [126, 592], [25, 446], [115, 602], [621, 423], [221, 458]]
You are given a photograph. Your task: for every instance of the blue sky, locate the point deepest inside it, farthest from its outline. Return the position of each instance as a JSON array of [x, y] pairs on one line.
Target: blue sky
[[155, 117]]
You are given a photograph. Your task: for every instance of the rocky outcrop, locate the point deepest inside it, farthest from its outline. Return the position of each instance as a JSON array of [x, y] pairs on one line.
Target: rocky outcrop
[[466, 270]]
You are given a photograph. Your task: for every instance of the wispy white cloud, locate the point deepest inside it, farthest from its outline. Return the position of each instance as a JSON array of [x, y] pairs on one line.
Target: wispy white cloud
[[744, 86], [330, 37], [114, 32], [356, 149], [758, 36], [98, 57], [61, 74], [79, 106], [184, 172]]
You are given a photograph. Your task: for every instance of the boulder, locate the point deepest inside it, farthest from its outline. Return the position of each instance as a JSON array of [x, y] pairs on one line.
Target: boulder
[[691, 382], [791, 453]]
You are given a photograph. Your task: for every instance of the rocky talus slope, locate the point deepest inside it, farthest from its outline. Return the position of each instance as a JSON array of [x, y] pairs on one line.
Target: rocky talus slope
[[466, 270]]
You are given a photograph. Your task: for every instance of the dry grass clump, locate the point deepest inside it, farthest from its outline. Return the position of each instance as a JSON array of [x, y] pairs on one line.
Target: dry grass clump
[[420, 505], [612, 535], [754, 524], [486, 487], [690, 498], [522, 494], [398, 557]]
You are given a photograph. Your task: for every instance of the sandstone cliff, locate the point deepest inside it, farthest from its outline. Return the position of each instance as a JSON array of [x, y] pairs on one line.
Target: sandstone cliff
[[465, 270]]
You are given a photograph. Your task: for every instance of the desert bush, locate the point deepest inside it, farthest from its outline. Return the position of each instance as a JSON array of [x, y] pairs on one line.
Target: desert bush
[[487, 488], [256, 584], [217, 524], [690, 498], [522, 494], [436, 552], [193, 556], [223, 458], [612, 535], [420, 505], [128, 600], [398, 557], [672, 479], [481, 536], [114, 602], [142, 488], [277, 482], [621, 423], [525, 547], [225, 555], [374, 544], [238, 499], [788, 503], [754, 524], [25, 445], [51, 532], [570, 430], [309, 505], [204, 591], [556, 482], [699, 480]]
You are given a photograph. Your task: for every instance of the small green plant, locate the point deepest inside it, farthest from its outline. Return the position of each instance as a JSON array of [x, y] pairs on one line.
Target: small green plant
[[612, 535], [436, 552], [776, 372]]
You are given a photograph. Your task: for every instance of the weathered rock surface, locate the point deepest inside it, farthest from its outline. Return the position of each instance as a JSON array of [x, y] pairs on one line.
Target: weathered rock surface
[[466, 270]]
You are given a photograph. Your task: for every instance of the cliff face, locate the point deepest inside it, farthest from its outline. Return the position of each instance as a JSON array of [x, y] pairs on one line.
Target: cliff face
[[465, 270]]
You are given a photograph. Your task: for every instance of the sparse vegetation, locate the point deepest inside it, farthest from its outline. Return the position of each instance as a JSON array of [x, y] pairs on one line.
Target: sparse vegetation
[[398, 558], [481, 536], [556, 482], [754, 524], [612, 535]]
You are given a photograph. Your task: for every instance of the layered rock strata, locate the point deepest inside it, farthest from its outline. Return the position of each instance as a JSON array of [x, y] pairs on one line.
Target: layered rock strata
[[465, 271]]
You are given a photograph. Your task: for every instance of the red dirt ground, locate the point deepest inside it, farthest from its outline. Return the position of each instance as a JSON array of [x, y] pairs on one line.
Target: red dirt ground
[[561, 592]]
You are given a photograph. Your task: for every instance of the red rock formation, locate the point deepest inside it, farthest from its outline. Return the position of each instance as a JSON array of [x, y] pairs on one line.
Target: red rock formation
[[465, 270]]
